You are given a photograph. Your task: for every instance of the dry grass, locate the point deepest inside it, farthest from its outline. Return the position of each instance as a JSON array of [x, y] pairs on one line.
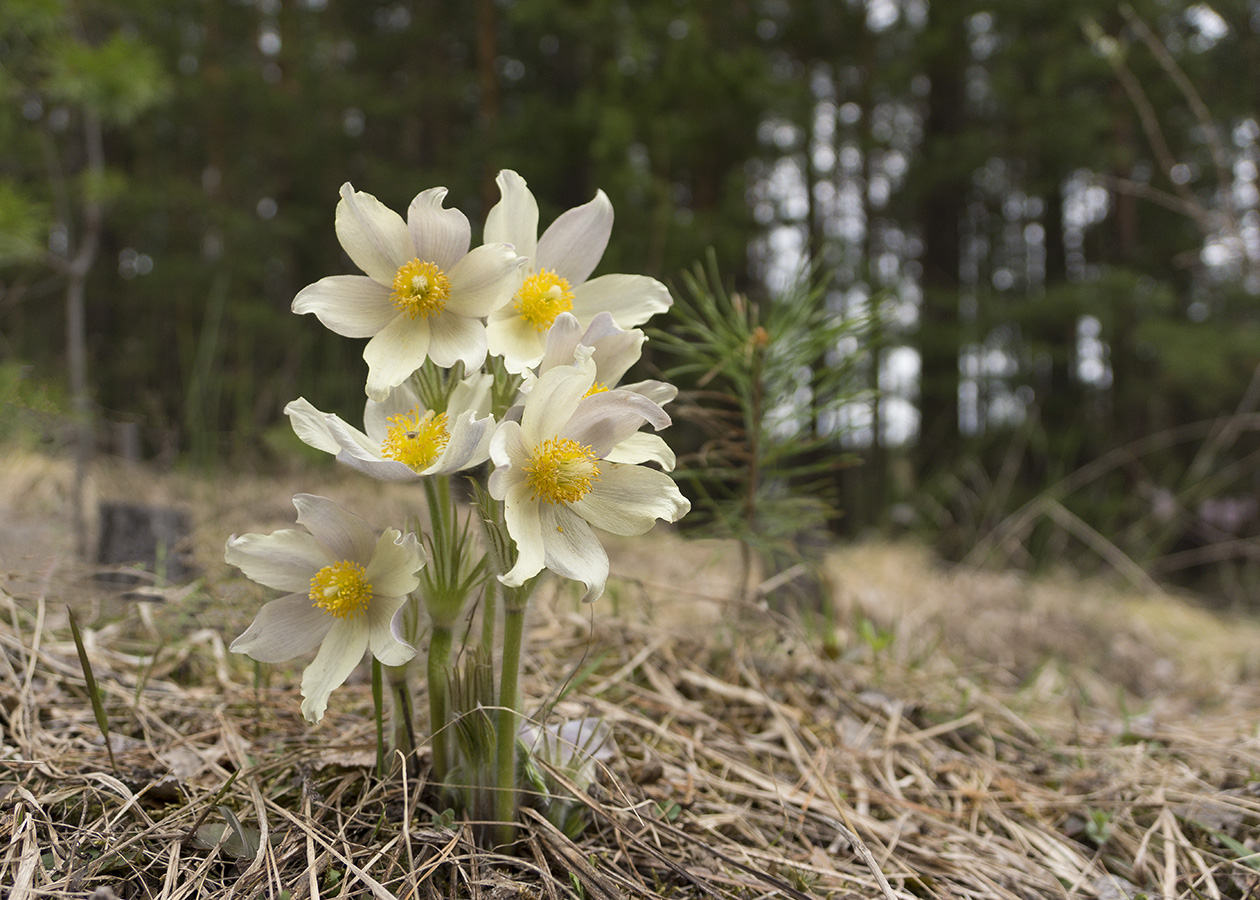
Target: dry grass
[[978, 735]]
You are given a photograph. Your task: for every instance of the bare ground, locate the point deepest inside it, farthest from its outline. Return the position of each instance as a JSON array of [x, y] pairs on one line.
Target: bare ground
[[951, 733]]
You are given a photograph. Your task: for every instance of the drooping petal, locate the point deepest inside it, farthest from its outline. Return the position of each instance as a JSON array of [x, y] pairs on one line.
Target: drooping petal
[[468, 446], [602, 421], [485, 279], [573, 244], [310, 425], [632, 299], [521, 515], [285, 560], [382, 642], [441, 236], [628, 500], [514, 219], [454, 337], [350, 439], [342, 649], [373, 235], [395, 353], [376, 467], [573, 551], [346, 536], [396, 560], [659, 392], [516, 340], [642, 447], [561, 341], [615, 354], [508, 450], [283, 629], [554, 400], [352, 306]]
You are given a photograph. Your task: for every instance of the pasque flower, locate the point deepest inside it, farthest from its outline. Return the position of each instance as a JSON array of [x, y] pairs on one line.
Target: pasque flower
[[343, 583], [401, 440], [553, 474], [555, 279], [423, 294]]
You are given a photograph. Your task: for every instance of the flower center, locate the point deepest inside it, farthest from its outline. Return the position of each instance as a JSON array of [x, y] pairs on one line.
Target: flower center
[[416, 439], [542, 297], [596, 388], [420, 289], [341, 589], [561, 471]]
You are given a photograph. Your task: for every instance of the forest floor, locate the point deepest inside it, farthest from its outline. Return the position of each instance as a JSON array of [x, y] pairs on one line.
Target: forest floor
[[954, 733]]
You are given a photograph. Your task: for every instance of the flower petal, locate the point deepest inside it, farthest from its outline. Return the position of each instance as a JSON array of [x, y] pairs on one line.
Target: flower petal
[[659, 392], [468, 446], [642, 447], [508, 450], [341, 651], [395, 353], [485, 279], [395, 561], [602, 421], [284, 628], [632, 299], [441, 236], [382, 642], [352, 306], [345, 535], [615, 354], [373, 235], [402, 400], [310, 425], [521, 515], [629, 499], [474, 394], [516, 340], [575, 241], [554, 400], [514, 219], [573, 551], [390, 470], [285, 560], [453, 337]]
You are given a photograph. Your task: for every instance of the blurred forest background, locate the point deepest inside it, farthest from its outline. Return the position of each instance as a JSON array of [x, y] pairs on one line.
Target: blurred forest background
[[1044, 215]]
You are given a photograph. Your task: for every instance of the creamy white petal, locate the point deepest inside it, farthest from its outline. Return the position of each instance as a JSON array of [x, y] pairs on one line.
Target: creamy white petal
[[615, 354], [554, 400], [632, 299], [516, 340], [602, 421], [441, 236], [473, 394], [352, 306], [285, 560], [345, 535], [395, 562], [468, 446], [659, 392], [373, 235], [573, 551], [286, 627], [521, 515], [453, 337], [561, 341], [395, 353], [382, 642], [642, 447], [508, 450], [629, 499], [310, 425], [514, 219], [484, 280], [351, 440], [341, 651], [575, 241], [390, 470]]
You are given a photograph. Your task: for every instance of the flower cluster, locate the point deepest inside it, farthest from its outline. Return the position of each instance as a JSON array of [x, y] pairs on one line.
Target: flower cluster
[[508, 353]]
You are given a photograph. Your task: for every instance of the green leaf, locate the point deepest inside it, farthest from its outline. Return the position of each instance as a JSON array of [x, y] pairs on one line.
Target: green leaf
[[118, 80]]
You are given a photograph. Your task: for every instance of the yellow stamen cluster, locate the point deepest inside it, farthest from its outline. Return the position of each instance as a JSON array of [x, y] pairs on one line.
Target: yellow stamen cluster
[[542, 297], [596, 388], [561, 471], [342, 589], [416, 439], [420, 289]]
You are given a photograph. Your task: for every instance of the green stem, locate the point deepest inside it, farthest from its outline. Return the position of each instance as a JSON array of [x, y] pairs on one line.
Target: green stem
[[404, 736], [489, 613], [378, 705], [439, 696], [505, 756]]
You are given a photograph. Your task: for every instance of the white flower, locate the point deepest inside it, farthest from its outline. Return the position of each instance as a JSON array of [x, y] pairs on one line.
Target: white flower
[[613, 350], [424, 293], [555, 280], [553, 473], [344, 586], [401, 440]]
